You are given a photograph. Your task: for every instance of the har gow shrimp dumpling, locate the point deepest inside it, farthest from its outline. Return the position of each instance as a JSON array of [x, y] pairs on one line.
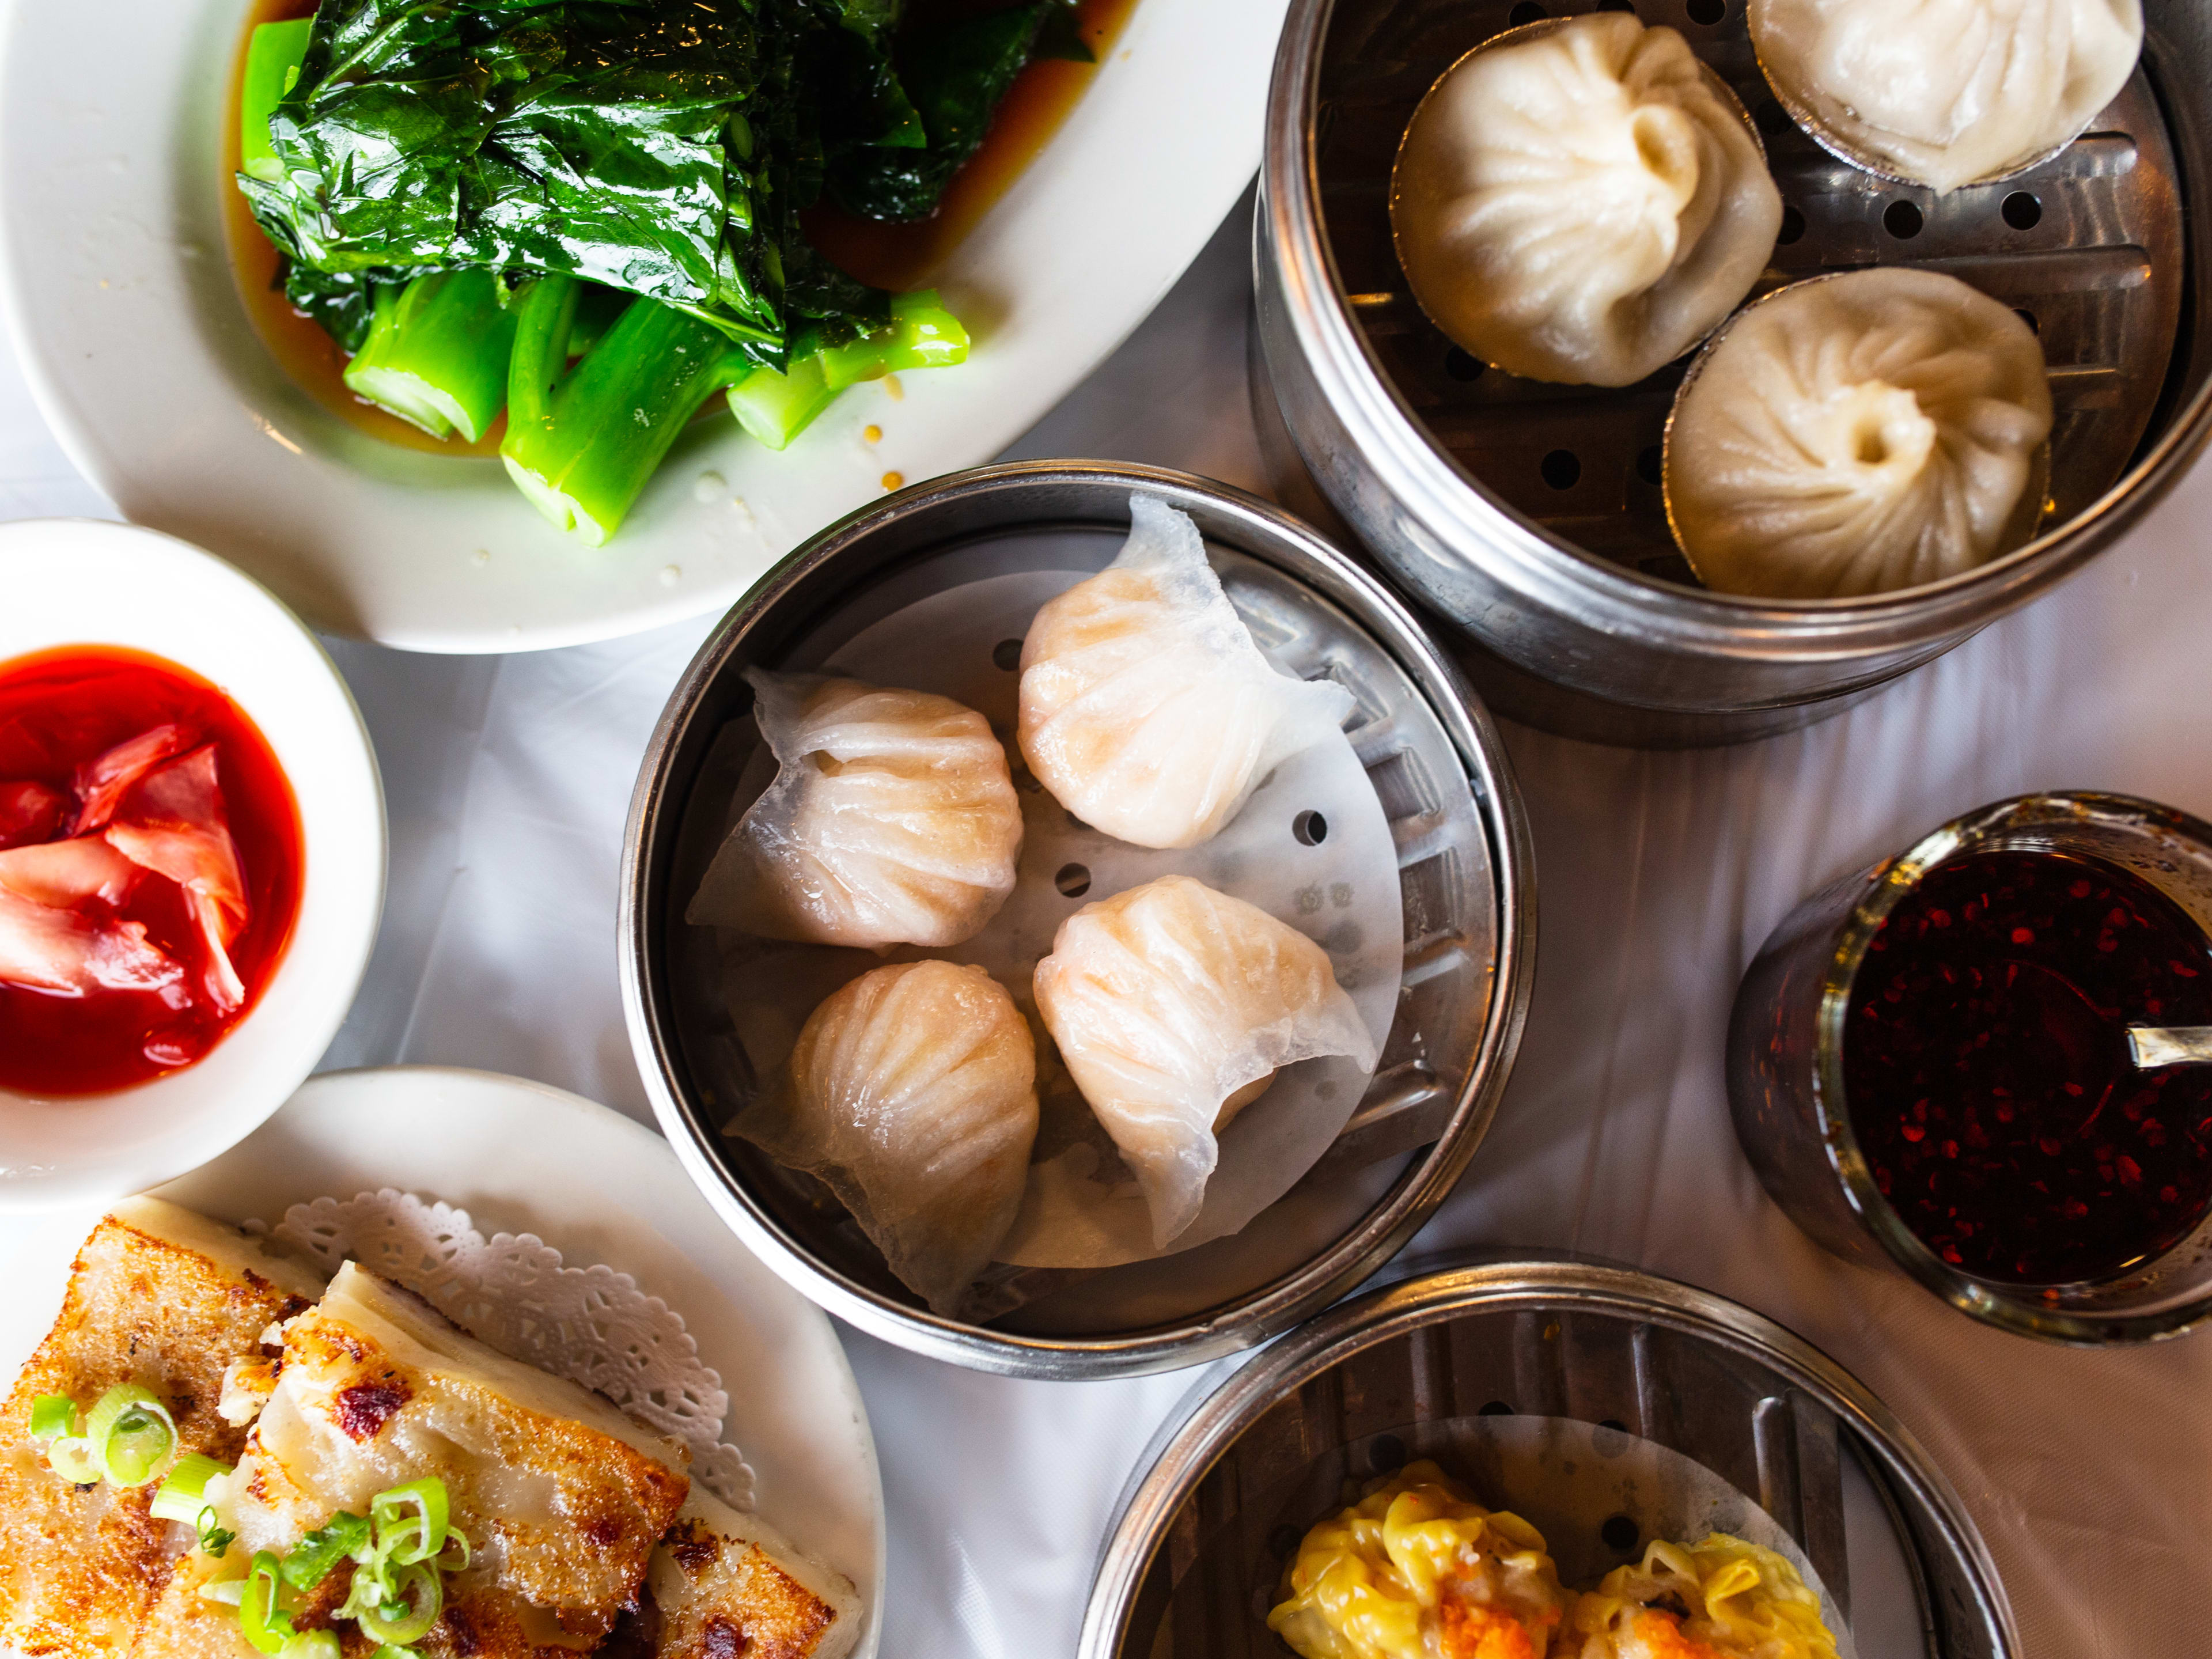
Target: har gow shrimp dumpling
[[1947, 93], [892, 820], [1582, 205], [1172, 1005], [1859, 435], [1146, 707], [912, 1095]]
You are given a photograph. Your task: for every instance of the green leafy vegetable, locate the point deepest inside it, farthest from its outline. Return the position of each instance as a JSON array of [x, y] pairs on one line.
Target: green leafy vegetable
[[263, 1618], [604, 139], [776, 407], [435, 353], [956, 72], [581, 443]]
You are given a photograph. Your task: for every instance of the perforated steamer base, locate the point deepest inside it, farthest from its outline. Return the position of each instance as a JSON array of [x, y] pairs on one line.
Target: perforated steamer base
[[2089, 246], [1220, 1502]]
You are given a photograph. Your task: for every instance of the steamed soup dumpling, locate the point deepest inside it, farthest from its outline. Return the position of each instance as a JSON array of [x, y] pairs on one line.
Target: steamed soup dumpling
[[892, 820], [1723, 1597], [1146, 707], [1584, 204], [912, 1095], [1859, 435], [1173, 1005], [1947, 92]]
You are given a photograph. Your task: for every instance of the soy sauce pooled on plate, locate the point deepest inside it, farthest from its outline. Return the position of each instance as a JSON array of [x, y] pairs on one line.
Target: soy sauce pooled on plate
[[1987, 1068]]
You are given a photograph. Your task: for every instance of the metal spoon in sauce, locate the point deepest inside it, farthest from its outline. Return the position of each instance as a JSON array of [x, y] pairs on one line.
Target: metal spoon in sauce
[[2151, 1046]]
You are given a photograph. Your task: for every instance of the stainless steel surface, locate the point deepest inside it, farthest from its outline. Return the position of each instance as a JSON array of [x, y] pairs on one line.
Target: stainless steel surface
[[1571, 579], [1785, 1070], [2151, 1046], [1233, 1481], [1465, 877]]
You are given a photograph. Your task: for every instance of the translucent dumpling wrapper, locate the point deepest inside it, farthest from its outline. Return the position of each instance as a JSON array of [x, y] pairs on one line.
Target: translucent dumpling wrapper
[[1859, 435], [912, 1095], [1146, 708], [892, 820], [1947, 93], [1581, 203], [1723, 1596], [1173, 1005]]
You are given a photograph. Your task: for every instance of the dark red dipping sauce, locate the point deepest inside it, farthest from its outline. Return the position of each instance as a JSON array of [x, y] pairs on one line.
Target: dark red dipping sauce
[[151, 868], [1987, 1070]]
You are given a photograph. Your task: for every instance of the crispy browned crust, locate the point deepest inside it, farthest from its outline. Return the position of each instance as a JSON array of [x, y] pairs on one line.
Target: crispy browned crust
[[614, 1503], [80, 1567], [480, 1621], [734, 1602]]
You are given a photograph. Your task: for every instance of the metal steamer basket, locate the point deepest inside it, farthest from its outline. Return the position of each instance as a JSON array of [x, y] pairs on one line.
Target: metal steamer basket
[[1464, 879], [1606, 1358], [1530, 515]]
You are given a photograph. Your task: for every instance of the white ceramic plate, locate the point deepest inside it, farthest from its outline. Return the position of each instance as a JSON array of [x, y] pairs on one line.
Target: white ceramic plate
[[522, 1157], [114, 278], [72, 581]]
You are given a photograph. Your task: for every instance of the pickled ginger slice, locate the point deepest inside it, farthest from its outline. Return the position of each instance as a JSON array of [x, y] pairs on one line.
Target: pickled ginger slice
[[68, 872], [1173, 1006], [174, 824], [31, 812], [892, 820], [1146, 708], [102, 782], [912, 1094], [46, 947]]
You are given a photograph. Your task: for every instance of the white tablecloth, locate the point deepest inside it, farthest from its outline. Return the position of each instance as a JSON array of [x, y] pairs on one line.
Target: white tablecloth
[[2090, 1473]]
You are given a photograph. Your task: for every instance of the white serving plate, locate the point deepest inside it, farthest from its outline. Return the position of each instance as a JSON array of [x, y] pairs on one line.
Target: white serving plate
[[116, 283], [76, 581], [522, 1157]]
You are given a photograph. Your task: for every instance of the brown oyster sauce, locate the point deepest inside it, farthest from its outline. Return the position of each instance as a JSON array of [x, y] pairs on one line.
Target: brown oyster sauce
[[896, 256], [1987, 1071]]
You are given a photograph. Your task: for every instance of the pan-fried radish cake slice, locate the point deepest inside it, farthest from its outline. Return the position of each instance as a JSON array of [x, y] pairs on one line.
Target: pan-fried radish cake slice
[[163, 1307], [727, 1586], [407, 1487]]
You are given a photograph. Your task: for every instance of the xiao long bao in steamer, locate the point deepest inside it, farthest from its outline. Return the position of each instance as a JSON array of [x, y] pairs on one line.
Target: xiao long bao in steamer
[[1859, 435], [1947, 93], [892, 820], [912, 1095], [1582, 202], [1174, 1007], [1146, 709]]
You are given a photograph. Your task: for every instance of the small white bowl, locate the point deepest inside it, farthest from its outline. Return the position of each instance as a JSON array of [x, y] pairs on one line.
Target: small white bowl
[[73, 581]]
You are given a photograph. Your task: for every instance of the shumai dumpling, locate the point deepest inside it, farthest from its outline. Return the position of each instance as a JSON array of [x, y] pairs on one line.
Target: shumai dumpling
[[1417, 1566], [1857, 435], [1174, 1007], [1723, 1597], [1146, 707], [892, 820], [912, 1095], [1582, 200]]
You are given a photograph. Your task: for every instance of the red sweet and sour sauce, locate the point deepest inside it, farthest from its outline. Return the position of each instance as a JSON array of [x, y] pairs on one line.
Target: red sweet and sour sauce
[[61, 710], [1988, 1075]]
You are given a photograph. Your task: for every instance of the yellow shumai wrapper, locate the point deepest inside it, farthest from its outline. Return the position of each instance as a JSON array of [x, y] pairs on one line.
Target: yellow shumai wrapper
[[1721, 1598], [1416, 1569]]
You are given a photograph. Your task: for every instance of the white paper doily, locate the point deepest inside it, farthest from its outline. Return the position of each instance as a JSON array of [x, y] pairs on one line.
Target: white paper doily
[[590, 1325]]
